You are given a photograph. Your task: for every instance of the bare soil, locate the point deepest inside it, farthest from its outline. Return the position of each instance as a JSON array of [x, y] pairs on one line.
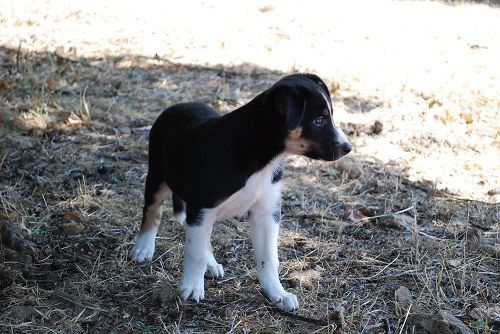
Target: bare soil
[[399, 235]]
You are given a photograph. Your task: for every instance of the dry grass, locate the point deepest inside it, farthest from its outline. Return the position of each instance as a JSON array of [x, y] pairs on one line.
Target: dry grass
[[73, 138]]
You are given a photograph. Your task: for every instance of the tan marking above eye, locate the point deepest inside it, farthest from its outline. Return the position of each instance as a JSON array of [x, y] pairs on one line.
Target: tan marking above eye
[[326, 112]]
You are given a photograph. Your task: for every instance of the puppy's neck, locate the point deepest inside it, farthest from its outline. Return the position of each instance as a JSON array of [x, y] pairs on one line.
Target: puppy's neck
[[255, 134]]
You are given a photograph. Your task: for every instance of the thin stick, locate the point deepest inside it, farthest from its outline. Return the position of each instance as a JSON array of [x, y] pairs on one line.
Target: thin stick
[[291, 315], [406, 318], [387, 214]]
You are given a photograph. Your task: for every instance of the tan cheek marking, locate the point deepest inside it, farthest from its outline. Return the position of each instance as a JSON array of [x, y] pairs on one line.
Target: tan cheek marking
[[294, 144], [152, 216], [295, 134], [299, 146]]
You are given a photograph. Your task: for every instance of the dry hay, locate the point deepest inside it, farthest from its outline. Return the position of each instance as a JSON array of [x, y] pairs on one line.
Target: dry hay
[[365, 246]]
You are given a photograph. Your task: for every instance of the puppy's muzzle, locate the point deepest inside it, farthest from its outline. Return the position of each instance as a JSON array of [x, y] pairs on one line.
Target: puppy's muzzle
[[341, 145], [340, 149]]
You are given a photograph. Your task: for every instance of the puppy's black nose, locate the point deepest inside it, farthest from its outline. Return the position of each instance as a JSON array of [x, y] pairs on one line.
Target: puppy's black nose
[[346, 148]]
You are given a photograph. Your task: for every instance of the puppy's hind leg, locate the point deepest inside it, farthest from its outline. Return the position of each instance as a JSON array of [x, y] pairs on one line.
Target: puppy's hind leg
[[156, 191], [214, 269], [179, 208]]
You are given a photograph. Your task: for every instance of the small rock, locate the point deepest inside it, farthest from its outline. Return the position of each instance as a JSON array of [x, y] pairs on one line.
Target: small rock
[[142, 131], [376, 128], [486, 312], [104, 169], [164, 294], [494, 191], [20, 314], [475, 235], [265, 9], [491, 250], [124, 130], [442, 322], [73, 217], [337, 316], [459, 222], [5, 279], [403, 296], [12, 255], [13, 195], [319, 268], [396, 221], [73, 229], [12, 238], [351, 168], [141, 121]]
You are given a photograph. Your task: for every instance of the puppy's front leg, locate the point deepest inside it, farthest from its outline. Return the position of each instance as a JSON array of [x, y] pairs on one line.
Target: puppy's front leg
[[264, 228], [198, 227]]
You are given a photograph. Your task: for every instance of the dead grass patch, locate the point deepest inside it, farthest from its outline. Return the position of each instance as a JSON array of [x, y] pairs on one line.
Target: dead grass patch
[[72, 164]]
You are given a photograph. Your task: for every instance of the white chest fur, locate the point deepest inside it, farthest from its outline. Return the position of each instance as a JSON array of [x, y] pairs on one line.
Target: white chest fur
[[257, 186]]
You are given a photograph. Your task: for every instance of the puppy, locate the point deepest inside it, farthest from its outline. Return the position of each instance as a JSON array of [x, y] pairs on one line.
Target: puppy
[[221, 166]]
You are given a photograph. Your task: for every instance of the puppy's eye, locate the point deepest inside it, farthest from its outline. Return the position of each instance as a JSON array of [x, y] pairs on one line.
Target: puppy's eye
[[319, 121]]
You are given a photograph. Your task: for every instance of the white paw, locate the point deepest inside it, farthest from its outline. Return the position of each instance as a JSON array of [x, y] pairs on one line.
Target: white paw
[[284, 300], [144, 247], [192, 289], [214, 269]]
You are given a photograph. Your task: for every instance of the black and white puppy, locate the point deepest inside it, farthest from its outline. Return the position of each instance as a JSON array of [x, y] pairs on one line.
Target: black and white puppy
[[222, 166]]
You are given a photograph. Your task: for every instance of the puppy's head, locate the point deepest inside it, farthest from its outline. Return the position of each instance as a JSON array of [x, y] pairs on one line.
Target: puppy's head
[[303, 104]]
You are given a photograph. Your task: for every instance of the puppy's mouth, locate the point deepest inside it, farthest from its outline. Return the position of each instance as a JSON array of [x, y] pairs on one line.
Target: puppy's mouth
[[338, 151], [330, 153]]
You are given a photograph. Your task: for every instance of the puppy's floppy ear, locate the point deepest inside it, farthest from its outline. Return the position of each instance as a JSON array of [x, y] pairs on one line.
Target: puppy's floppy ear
[[320, 82], [288, 102]]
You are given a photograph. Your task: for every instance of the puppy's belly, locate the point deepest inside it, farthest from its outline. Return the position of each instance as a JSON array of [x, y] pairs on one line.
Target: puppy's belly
[[241, 201]]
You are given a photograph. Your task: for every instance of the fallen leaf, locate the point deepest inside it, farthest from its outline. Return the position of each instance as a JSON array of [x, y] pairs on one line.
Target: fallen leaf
[[7, 85], [73, 223], [453, 263], [352, 215], [305, 275]]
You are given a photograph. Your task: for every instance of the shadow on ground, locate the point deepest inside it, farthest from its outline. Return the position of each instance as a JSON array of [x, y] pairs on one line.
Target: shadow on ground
[[72, 166]]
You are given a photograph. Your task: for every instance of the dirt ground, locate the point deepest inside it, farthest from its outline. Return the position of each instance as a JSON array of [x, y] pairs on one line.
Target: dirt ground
[[401, 236]]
